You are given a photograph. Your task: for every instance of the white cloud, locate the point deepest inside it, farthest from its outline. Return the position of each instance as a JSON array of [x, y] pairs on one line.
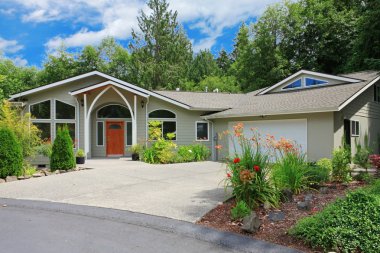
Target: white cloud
[[19, 61], [10, 46], [118, 17]]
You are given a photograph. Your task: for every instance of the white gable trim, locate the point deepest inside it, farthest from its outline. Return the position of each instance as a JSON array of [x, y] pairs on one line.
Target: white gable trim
[[307, 72], [114, 79], [99, 85], [358, 93]]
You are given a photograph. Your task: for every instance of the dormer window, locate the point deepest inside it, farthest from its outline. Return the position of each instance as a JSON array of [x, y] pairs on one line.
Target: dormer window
[[313, 82], [305, 82], [293, 85]]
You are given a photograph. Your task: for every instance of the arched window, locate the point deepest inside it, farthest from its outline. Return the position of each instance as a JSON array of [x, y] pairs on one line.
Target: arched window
[[114, 112], [168, 122]]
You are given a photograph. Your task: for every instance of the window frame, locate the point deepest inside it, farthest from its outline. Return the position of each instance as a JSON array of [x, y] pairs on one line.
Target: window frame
[[126, 133], [162, 120], [303, 83], [196, 130], [45, 122], [376, 95], [41, 101], [75, 130], [355, 125], [316, 85], [294, 88], [97, 133], [55, 111], [97, 111]]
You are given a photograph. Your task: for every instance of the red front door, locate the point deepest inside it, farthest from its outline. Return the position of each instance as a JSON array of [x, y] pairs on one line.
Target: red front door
[[115, 138]]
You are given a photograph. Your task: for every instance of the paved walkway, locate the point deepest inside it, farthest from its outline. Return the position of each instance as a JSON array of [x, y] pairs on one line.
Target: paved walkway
[[180, 191], [39, 227]]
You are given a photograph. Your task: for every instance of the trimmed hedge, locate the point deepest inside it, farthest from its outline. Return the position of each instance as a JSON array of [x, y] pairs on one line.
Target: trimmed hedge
[[11, 159], [351, 224], [62, 157]]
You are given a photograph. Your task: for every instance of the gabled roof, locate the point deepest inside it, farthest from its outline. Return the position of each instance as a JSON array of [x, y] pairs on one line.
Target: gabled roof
[[307, 72], [322, 99]]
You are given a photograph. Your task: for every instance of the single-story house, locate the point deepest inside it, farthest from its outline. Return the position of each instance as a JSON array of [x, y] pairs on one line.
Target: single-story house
[[106, 115]]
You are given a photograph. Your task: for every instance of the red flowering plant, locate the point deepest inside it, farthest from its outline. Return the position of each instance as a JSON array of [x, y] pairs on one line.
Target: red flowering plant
[[375, 161], [248, 170]]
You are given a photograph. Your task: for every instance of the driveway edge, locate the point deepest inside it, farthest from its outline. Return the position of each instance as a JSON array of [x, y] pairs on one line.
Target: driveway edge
[[225, 239]]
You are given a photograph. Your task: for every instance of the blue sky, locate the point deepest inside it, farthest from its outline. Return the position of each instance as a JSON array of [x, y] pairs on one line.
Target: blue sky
[[29, 29]]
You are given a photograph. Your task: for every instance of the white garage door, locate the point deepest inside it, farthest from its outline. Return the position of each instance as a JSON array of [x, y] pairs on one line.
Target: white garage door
[[294, 129]]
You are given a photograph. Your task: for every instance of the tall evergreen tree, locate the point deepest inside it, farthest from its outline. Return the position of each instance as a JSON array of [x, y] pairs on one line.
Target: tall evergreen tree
[[161, 53], [203, 65], [224, 61]]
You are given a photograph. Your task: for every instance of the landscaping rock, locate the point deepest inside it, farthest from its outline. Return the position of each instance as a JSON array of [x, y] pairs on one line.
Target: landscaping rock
[[56, 172], [23, 177], [309, 198], [324, 190], [267, 205], [306, 205], [286, 195], [251, 223], [62, 171], [276, 216], [38, 174], [2, 180], [11, 178]]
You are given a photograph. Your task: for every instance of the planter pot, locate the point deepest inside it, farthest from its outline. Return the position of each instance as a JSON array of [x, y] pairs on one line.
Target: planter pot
[[80, 160], [135, 157]]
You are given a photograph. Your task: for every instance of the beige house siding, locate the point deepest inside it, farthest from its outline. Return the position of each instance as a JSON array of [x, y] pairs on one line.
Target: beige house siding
[[365, 110], [320, 135], [186, 121]]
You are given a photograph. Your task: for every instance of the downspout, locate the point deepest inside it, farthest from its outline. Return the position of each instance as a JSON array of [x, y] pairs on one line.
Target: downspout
[[77, 129], [212, 140]]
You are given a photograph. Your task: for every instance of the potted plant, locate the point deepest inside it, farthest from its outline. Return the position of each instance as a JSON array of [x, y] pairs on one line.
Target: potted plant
[[136, 150], [80, 156]]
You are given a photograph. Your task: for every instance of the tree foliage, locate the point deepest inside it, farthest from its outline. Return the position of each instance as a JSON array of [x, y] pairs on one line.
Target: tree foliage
[[10, 153], [62, 157]]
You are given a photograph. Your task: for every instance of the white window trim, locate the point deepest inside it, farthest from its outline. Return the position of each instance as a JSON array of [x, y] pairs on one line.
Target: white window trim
[[51, 109], [303, 83], [103, 133], [196, 130], [51, 128], [295, 88], [357, 131], [55, 110], [318, 79], [166, 120]]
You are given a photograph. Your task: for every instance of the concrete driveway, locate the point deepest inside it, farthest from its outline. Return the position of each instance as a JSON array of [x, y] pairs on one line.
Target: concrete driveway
[[180, 191]]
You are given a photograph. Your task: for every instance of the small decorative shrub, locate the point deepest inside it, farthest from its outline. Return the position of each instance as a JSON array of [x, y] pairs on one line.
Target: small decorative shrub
[[319, 172], [11, 158], [351, 224], [80, 153], [201, 152], [136, 149], [62, 157], [240, 210], [248, 171], [27, 170], [375, 160], [44, 149], [340, 164], [361, 157], [364, 177], [185, 154]]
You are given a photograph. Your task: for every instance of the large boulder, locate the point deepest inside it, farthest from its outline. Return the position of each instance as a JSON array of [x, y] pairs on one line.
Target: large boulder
[[251, 223]]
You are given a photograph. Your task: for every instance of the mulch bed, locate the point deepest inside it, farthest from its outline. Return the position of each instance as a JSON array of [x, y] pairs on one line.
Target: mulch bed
[[276, 232]]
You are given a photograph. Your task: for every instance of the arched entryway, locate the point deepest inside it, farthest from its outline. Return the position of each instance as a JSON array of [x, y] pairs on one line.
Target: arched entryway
[[113, 129]]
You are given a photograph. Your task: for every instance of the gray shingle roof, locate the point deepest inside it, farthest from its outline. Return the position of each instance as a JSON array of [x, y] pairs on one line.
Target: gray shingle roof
[[204, 100], [327, 98]]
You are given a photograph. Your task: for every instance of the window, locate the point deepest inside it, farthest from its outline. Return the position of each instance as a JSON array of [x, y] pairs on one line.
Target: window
[[202, 131], [70, 126], [114, 112], [167, 120], [312, 82], [64, 111], [41, 110], [129, 133], [376, 93], [45, 129], [355, 129], [162, 114], [100, 133], [295, 84]]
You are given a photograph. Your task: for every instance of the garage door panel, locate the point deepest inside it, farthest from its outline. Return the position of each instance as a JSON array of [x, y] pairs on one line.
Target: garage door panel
[[294, 129]]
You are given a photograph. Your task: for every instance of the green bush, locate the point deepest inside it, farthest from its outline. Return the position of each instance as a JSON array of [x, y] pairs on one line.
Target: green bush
[[320, 171], [80, 153], [340, 164], [351, 224], [240, 210], [44, 149], [11, 157], [361, 157], [291, 172], [62, 157], [201, 152], [149, 155], [185, 154]]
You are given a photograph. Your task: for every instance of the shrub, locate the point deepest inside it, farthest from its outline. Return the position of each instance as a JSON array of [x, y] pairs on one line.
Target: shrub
[[149, 155], [240, 210], [201, 152], [10, 153], [136, 149], [27, 134], [80, 153], [340, 161], [44, 149], [248, 173], [28, 170], [320, 171], [291, 172], [375, 160], [361, 157], [364, 177], [351, 224], [62, 157], [185, 154]]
